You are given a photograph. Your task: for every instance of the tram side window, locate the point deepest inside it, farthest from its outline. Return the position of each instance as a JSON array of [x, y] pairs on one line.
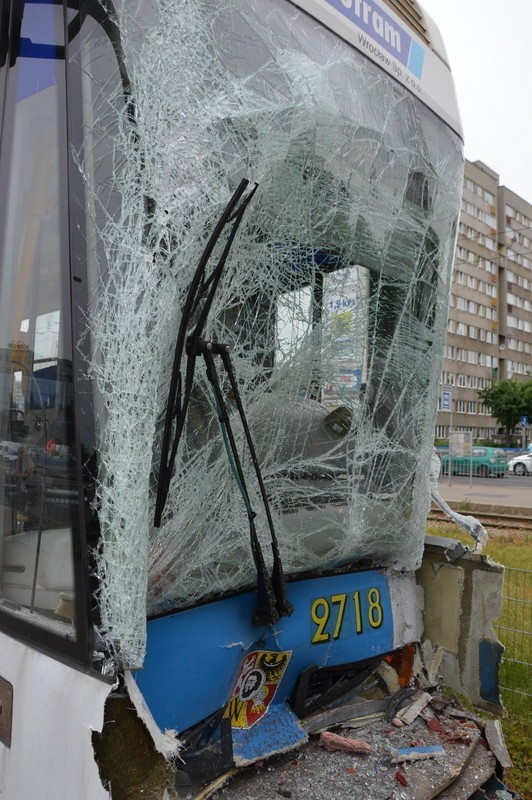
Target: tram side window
[[38, 488]]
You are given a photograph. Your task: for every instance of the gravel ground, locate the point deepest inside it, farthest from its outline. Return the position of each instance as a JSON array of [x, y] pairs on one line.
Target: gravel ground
[[313, 773]]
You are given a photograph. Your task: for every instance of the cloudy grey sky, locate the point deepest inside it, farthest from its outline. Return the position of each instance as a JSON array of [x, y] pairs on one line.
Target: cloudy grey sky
[[489, 48]]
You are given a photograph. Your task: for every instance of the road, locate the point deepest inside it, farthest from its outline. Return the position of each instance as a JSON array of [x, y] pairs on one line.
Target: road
[[513, 480], [512, 493]]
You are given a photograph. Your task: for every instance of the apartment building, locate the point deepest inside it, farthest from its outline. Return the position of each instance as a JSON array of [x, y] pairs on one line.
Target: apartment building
[[515, 284], [489, 330]]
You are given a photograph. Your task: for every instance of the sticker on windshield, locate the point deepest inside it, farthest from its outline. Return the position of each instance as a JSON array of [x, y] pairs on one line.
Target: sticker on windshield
[[258, 679]]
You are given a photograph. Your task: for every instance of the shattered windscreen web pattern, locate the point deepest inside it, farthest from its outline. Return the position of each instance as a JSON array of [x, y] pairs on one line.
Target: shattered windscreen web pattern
[[333, 299]]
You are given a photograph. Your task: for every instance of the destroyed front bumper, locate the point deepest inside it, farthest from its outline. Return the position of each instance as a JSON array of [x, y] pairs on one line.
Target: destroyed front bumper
[[197, 659]]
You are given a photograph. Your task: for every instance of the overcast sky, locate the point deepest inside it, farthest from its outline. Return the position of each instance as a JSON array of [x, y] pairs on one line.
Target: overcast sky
[[489, 47]]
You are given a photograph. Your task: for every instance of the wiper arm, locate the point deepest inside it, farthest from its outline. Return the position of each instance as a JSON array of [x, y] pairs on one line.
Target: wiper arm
[[283, 605], [272, 601], [272, 596], [178, 398]]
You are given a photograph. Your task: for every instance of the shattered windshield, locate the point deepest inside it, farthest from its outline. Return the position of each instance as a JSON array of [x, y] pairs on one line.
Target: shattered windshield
[[332, 300]]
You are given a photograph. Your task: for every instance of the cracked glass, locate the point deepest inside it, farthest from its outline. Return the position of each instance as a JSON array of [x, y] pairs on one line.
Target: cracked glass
[[333, 299]]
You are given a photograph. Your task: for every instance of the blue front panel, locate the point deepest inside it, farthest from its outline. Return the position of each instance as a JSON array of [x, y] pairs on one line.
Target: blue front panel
[[193, 657]]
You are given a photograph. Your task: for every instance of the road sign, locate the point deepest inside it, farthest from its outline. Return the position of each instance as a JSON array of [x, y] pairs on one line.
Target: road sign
[[524, 422], [446, 400]]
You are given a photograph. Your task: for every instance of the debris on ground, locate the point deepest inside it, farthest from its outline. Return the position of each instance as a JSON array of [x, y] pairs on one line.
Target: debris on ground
[[317, 774], [414, 709], [332, 741], [449, 760], [414, 743], [401, 754]]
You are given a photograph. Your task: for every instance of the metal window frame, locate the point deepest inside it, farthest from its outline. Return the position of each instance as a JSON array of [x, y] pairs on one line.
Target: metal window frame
[[76, 653]]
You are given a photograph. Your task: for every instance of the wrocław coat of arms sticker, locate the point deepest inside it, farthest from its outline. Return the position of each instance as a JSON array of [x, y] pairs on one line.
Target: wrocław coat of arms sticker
[[260, 674]]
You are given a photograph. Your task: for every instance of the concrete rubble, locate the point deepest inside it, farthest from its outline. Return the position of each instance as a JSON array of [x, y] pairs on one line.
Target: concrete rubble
[[413, 744]]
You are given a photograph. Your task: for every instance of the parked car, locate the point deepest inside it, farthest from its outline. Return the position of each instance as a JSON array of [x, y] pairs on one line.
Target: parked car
[[486, 462], [9, 451], [521, 464]]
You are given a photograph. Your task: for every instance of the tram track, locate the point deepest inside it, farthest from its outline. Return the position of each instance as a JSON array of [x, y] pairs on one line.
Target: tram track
[[489, 519]]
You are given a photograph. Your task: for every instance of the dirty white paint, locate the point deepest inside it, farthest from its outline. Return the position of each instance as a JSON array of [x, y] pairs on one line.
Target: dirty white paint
[[407, 607], [55, 710], [165, 742]]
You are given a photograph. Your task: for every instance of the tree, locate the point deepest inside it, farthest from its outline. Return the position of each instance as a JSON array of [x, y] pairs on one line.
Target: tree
[[527, 392], [508, 401]]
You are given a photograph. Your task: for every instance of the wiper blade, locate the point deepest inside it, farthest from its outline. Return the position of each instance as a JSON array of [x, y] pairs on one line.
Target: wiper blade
[[179, 397]]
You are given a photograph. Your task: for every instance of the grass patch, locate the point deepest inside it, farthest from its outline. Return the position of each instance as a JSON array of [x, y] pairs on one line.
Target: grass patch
[[513, 550], [517, 735]]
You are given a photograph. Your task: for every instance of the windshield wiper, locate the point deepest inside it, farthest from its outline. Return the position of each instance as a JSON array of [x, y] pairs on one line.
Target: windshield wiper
[[179, 396], [272, 597]]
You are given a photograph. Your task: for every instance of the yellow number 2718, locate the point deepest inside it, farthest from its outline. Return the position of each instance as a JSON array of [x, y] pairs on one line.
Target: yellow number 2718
[[325, 610]]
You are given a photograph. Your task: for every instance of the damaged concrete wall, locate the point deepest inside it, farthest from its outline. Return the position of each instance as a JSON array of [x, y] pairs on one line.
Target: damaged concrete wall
[[462, 600]]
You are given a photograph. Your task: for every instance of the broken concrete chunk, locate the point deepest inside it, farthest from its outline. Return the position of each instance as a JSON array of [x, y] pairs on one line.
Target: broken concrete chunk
[[390, 677], [432, 659], [348, 712], [332, 741], [495, 738], [410, 712], [400, 754]]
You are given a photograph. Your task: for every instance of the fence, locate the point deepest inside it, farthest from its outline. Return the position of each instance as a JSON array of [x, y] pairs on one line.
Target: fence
[[514, 629]]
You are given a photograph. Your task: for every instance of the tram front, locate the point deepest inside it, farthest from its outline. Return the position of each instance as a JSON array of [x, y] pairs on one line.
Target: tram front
[[331, 300], [265, 481]]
